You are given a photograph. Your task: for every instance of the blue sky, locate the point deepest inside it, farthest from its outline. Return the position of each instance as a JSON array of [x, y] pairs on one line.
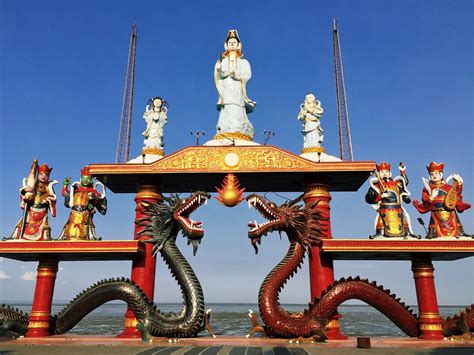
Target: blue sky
[[409, 74]]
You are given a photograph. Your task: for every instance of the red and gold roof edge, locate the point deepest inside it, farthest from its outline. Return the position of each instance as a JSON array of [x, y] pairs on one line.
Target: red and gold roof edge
[[71, 246], [199, 159], [357, 245]]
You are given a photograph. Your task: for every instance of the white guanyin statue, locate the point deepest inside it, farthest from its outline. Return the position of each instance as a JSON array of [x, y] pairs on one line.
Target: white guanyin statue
[[310, 115], [231, 74], [155, 117]]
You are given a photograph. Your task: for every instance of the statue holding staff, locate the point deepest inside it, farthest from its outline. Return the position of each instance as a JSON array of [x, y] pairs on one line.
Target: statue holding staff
[[37, 200]]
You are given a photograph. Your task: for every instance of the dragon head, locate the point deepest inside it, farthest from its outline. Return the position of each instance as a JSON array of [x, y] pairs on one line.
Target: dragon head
[[167, 217], [301, 224]]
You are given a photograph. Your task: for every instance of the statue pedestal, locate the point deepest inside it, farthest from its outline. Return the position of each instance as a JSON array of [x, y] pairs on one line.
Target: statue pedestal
[[145, 159], [320, 157]]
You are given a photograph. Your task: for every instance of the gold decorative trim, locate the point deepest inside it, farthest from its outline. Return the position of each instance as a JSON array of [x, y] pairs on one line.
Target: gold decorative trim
[[39, 324], [424, 274], [431, 326], [46, 273], [40, 314], [153, 151], [131, 322], [333, 324], [48, 265], [429, 315], [257, 158], [148, 191], [316, 190], [313, 150], [233, 135]]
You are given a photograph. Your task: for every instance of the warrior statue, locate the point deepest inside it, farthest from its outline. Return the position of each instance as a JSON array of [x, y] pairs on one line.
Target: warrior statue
[[231, 74], [84, 199], [156, 118], [443, 201], [386, 195], [37, 199], [310, 115]]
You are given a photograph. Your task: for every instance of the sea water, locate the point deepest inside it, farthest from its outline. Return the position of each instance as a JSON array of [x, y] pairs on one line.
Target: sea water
[[232, 318]]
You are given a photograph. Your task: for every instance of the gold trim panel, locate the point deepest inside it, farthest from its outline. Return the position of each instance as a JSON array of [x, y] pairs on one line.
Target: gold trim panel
[[212, 159]]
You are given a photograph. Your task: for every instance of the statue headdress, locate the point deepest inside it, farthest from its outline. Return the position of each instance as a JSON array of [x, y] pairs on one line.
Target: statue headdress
[[434, 166], [383, 166], [85, 171], [44, 169], [233, 34]]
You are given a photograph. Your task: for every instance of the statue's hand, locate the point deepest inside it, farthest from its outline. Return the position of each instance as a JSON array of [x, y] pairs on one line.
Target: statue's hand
[[28, 197], [434, 193], [66, 181], [385, 195], [458, 178]]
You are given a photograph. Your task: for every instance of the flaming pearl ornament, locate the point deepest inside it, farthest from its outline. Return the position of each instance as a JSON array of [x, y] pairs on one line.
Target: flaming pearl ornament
[[230, 193]]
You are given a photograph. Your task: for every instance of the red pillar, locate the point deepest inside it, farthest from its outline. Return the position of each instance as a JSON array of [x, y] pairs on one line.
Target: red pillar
[[321, 269], [429, 319], [39, 318], [143, 266]]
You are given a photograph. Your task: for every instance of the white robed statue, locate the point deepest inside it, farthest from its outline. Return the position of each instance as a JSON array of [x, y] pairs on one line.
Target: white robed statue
[[310, 115], [156, 118], [231, 74]]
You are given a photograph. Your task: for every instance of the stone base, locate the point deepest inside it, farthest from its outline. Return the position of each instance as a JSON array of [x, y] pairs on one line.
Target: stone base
[[145, 159], [319, 157]]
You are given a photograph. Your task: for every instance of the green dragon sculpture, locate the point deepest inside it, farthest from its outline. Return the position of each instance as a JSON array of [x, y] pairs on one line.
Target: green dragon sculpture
[[162, 221]]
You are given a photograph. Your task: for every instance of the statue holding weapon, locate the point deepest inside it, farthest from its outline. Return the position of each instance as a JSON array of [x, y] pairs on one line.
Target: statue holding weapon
[[386, 195], [84, 199], [37, 199]]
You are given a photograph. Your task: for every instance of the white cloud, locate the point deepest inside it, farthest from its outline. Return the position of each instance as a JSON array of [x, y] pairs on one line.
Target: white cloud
[[28, 276], [4, 276]]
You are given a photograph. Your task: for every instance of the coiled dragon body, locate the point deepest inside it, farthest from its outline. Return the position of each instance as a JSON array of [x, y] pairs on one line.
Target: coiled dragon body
[[304, 229]]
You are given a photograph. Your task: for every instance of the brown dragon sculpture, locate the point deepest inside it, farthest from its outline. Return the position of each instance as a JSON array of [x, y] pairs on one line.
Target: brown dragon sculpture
[[304, 229]]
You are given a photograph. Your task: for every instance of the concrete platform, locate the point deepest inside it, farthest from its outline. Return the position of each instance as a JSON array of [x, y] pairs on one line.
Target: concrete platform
[[71, 344]]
